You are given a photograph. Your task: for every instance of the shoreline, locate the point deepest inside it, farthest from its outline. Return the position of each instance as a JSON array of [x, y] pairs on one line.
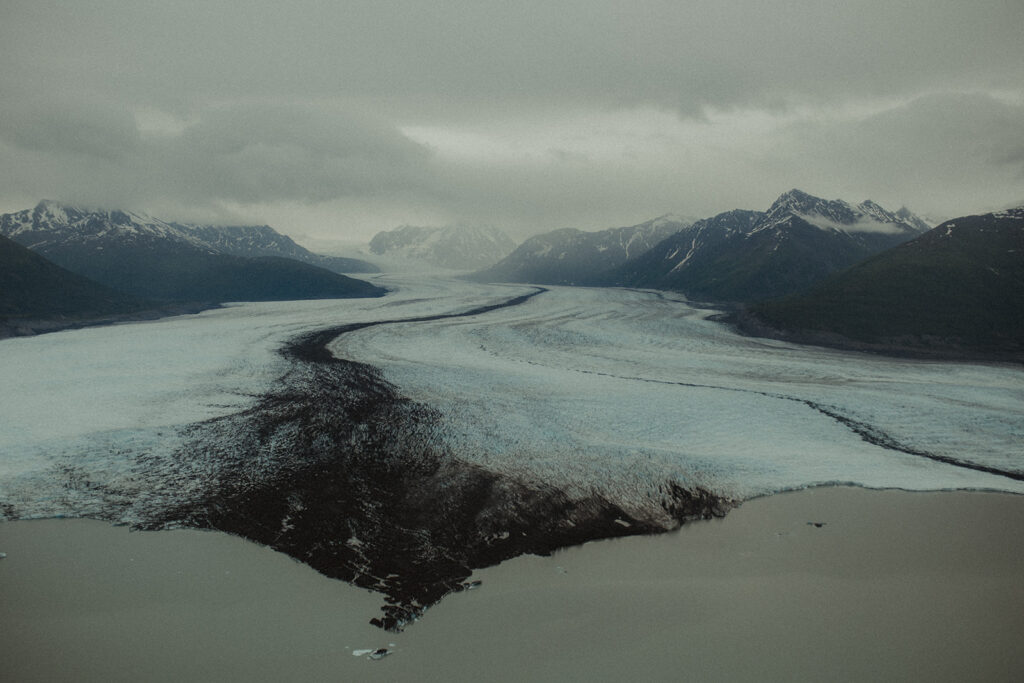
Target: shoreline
[[892, 584]]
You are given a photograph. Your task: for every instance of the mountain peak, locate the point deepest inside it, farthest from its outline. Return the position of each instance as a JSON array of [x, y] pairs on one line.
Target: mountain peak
[[798, 195], [51, 211], [822, 213], [794, 198], [150, 259], [48, 205], [911, 218], [872, 205], [453, 247], [670, 219], [837, 214], [800, 203]]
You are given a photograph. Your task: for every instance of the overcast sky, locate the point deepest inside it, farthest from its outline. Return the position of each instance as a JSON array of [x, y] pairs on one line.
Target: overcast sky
[[339, 119]]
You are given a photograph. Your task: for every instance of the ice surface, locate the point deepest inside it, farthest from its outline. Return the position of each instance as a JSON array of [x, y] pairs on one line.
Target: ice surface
[[612, 391], [103, 405]]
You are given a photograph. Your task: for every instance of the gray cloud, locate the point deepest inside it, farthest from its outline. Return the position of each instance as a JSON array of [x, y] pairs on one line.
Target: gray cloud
[[84, 127], [245, 154], [306, 104], [943, 153], [447, 55]]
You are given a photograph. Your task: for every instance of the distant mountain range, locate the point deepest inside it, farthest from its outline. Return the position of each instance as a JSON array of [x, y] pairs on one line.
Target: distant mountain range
[[737, 256], [453, 248], [261, 240], [807, 269], [574, 257], [742, 256], [145, 258], [958, 288]]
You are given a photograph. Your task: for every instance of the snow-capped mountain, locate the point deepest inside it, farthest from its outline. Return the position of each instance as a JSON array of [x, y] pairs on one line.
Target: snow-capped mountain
[[452, 247], [574, 257], [913, 220], [957, 288], [53, 227], [263, 240], [834, 215], [751, 255], [152, 259]]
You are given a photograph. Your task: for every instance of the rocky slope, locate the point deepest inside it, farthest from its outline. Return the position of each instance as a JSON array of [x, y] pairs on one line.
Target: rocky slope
[[575, 257], [956, 290], [750, 255], [148, 258], [262, 240]]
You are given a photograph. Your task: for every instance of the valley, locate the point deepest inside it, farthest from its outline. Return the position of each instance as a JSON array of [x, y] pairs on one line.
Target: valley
[[498, 429]]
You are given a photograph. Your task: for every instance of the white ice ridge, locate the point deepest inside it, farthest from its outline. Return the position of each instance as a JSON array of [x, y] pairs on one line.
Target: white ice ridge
[[588, 389]]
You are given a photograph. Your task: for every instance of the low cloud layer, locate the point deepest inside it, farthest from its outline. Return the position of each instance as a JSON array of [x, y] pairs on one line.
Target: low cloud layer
[[341, 120]]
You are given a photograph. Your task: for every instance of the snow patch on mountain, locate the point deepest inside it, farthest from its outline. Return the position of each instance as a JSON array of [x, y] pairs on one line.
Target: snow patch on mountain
[[572, 256], [840, 216], [51, 223], [450, 247]]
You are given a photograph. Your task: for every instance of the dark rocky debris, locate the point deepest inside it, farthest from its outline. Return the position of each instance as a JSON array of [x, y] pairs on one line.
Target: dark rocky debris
[[340, 471]]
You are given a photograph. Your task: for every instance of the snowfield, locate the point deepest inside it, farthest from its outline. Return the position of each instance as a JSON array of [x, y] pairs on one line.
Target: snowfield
[[587, 390]]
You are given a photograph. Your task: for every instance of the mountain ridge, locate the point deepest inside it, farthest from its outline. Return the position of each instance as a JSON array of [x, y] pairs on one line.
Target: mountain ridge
[[457, 247], [954, 291], [744, 255], [151, 259], [52, 221], [569, 256], [262, 240]]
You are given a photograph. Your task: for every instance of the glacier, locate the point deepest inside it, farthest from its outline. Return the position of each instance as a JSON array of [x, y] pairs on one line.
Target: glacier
[[582, 386], [446, 432]]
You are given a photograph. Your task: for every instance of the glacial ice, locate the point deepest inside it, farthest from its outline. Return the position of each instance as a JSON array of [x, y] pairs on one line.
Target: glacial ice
[[592, 390], [611, 389]]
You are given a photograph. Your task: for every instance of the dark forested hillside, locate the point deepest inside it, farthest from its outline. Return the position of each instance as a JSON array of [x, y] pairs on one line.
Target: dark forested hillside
[[742, 256], [959, 287], [144, 257]]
